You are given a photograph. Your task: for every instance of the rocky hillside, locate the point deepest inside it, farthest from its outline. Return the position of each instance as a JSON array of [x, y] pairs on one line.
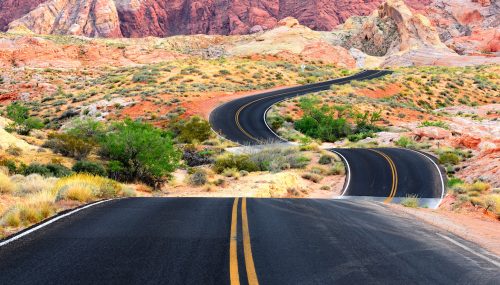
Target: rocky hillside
[[134, 18]]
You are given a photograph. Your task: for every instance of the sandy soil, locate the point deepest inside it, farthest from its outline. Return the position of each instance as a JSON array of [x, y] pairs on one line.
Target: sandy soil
[[475, 226], [286, 184]]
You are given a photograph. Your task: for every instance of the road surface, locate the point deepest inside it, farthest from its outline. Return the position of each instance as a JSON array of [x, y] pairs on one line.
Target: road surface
[[242, 120], [375, 174], [242, 241]]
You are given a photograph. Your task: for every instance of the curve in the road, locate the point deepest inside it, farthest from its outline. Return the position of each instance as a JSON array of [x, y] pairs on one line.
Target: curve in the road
[[243, 120], [375, 174], [392, 174]]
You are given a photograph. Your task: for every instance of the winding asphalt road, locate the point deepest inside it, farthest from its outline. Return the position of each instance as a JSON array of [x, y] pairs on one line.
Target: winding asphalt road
[[242, 241], [242, 120], [374, 174], [256, 241]]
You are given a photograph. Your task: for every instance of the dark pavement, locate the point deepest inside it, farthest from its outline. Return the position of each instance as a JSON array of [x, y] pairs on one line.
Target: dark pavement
[[187, 241]]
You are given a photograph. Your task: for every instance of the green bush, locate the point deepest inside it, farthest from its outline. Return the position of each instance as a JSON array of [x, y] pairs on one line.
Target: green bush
[[449, 158], [10, 164], [322, 126], [89, 167], [145, 152], [47, 170], [278, 159], [239, 162], [70, 145], [145, 76], [276, 122], [36, 168], [454, 181], [58, 170], [434, 124], [325, 159], [22, 123], [405, 142], [195, 129]]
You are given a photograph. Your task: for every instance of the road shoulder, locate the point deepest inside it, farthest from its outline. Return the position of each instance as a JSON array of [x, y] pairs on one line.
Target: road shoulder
[[472, 226]]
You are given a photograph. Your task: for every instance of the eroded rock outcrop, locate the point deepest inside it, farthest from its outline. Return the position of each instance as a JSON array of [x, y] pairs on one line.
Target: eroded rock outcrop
[[134, 18], [467, 26], [390, 29]]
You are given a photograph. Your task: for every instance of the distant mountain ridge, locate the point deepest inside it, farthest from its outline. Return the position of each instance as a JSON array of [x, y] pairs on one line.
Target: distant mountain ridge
[[140, 18]]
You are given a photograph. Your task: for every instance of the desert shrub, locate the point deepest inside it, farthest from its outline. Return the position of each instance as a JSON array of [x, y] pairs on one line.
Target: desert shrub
[[79, 193], [88, 128], [321, 126], [231, 172], [479, 187], [89, 167], [278, 159], [276, 122], [410, 201], [10, 164], [36, 168], [145, 152], [27, 213], [145, 76], [312, 177], [240, 162], [70, 145], [454, 181], [6, 186], [58, 170], [33, 183], [337, 169], [86, 187], [360, 136], [405, 142], [194, 158], [449, 158], [434, 124], [129, 191], [198, 178], [325, 159], [492, 203], [196, 129], [22, 123]]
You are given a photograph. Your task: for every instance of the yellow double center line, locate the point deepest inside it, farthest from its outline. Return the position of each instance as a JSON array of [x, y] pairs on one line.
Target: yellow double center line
[[394, 171], [237, 115], [247, 247]]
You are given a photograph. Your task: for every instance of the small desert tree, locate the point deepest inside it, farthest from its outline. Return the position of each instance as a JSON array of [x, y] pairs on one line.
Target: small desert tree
[[22, 123], [145, 152]]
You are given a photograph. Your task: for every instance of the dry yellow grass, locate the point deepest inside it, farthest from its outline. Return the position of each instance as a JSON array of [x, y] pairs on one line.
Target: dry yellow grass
[[6, 186], [87, 187], [79, 193], [40, 195]]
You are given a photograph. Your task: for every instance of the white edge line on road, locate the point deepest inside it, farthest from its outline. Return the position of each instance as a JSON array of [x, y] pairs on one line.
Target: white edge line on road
[[55, 219], [443, 187], [265, 118], [348, 172], [470, 250]]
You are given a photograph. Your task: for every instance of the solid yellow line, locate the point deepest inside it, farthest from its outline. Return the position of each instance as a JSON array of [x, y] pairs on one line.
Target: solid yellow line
[[234, 276], [237, 116], [394, 176], [247, 247]]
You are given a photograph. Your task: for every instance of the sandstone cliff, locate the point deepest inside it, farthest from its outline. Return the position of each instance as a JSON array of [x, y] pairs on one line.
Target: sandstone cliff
[[134, 18], [390, 29]]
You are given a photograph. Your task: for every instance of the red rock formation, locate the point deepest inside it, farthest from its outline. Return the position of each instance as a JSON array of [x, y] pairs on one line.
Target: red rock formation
[[14, 9], [164, 18]]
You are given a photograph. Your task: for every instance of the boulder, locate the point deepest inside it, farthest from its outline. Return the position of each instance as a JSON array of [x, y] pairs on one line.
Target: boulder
[[434, 133]]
